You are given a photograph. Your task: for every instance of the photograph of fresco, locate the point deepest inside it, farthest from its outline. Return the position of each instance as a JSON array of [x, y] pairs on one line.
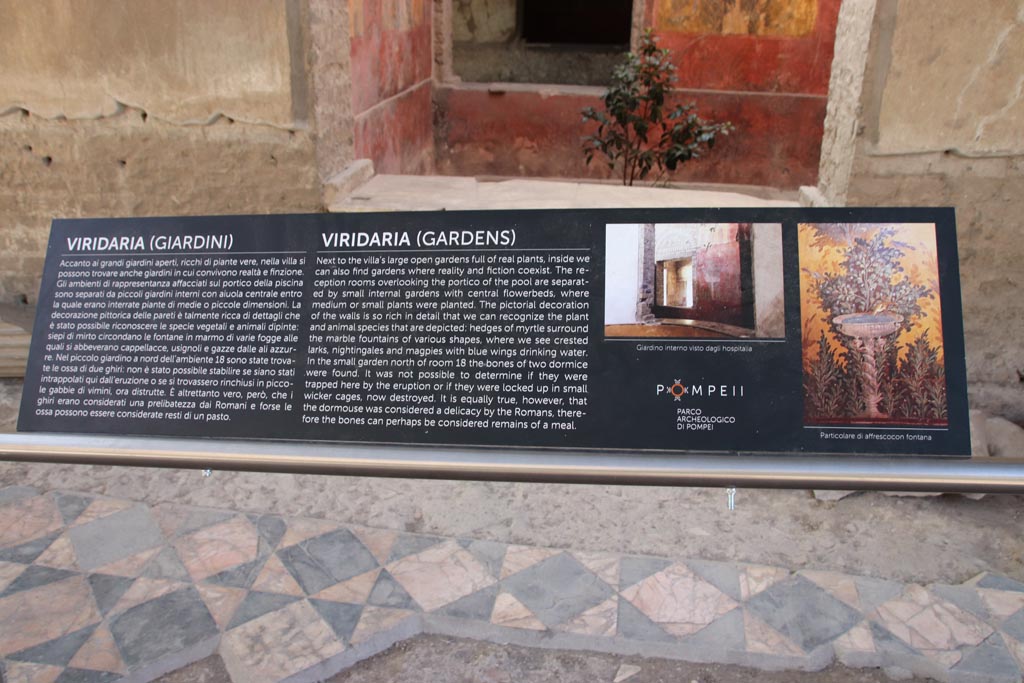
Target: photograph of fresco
[[871, 324], [694, 280]]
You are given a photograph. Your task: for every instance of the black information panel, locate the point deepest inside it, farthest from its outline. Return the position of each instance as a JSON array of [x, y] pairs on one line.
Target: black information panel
[[739, 330]]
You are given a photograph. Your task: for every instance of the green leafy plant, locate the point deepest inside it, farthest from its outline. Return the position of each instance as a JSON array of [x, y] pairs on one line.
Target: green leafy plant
[[872, 276], [829, 388], [637, 130], [921, 387]]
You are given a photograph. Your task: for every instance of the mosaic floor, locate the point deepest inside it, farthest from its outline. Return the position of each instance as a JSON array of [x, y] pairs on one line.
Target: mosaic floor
[[100, 589]]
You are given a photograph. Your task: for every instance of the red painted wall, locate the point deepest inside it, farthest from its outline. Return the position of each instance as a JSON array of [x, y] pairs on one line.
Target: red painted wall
[[398, 134], [773, 87], [392, 58], [781, 63], [718, 285], [777, 142]]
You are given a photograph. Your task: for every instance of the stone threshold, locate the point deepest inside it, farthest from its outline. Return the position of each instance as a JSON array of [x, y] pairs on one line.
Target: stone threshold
[[451, 193]]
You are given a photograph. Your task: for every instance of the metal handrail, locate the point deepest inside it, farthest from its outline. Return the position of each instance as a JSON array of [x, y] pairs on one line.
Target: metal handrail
[[904, 473]]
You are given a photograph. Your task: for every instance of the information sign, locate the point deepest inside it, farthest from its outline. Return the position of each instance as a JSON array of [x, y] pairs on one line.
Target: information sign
[[733, 330]]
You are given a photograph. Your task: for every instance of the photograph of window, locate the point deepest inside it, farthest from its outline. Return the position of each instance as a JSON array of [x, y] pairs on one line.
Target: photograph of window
[[694, 280]]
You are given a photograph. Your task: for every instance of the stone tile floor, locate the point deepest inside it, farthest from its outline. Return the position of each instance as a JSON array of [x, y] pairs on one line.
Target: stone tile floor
[[103, 589]]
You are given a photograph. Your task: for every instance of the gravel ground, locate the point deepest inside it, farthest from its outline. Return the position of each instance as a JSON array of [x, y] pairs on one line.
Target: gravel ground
[[435, 659], [449, 660]]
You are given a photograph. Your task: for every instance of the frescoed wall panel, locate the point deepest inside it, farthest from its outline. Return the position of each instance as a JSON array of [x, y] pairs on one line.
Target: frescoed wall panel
[[871, 319]]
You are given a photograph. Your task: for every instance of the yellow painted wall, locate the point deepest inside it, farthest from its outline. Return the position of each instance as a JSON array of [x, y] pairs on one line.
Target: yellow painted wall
[[738, 17]]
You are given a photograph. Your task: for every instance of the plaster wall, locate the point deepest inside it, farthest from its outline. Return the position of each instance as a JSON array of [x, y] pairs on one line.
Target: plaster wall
[[185, 62], [769, 298], [483, 21], [392, 57], [131, 165], [938, 123], [680, 240], [955, 79], [771, 61], [622, 273], [329, 81], [846, 85]]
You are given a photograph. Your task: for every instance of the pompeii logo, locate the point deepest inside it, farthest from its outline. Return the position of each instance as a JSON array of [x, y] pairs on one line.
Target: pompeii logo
[[693, 419], [678, 389]]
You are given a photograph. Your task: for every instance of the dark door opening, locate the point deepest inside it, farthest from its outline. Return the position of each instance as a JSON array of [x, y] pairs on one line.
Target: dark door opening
[[577, 22], [576, 42]]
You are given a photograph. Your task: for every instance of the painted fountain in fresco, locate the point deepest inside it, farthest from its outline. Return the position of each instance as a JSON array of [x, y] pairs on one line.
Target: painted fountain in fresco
[[868, 332], [872, 324]]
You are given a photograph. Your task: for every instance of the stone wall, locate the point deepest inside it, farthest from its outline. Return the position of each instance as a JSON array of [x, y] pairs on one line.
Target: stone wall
[[328, 66], [483, 21], [184, 62], [127, 108], [131, 164], [769, 288], [937, 121]]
